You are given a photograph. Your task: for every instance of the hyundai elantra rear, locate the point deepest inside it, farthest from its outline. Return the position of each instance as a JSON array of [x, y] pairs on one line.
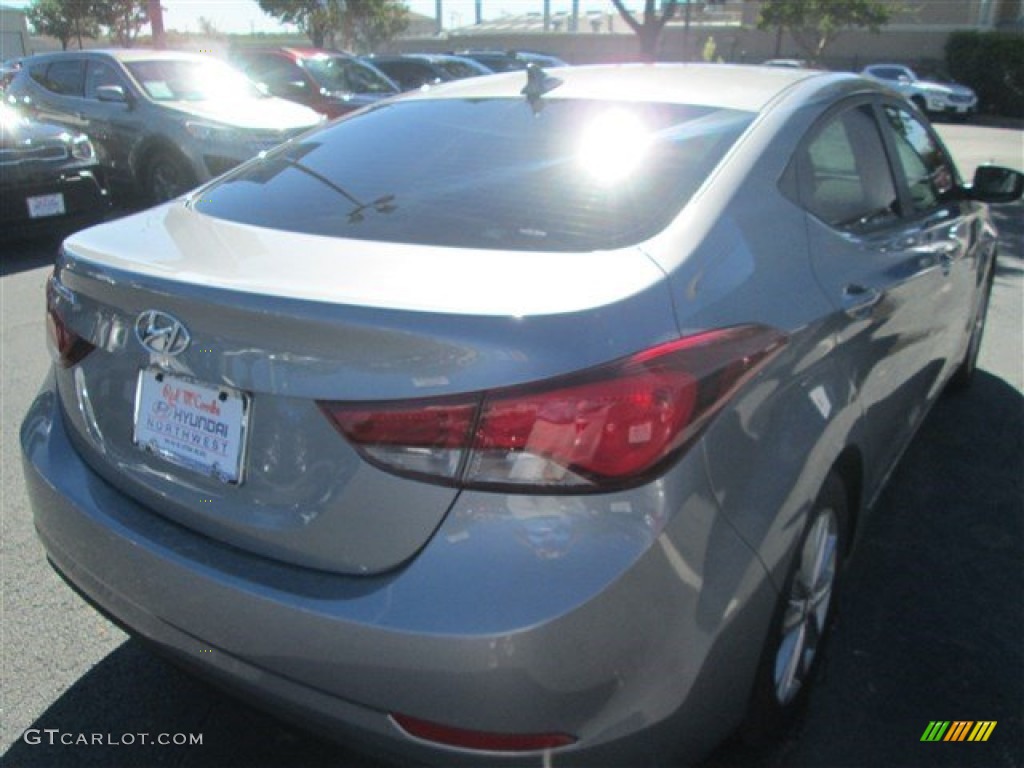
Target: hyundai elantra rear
[[483, 426]]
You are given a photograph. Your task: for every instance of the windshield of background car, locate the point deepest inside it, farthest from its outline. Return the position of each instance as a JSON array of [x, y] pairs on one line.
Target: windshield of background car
[[187, 80], [461, 68], [337, 74], [564, 175]]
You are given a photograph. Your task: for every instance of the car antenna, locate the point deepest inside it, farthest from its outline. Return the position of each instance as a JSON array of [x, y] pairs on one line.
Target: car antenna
[[538, 83]]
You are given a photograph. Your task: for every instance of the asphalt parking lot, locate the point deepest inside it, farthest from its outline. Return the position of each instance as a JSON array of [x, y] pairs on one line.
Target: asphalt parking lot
[[931, 610]]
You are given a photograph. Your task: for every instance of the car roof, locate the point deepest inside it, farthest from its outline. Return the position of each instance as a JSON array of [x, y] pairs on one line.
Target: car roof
[[747, 88], [129, 54], [295, 52]]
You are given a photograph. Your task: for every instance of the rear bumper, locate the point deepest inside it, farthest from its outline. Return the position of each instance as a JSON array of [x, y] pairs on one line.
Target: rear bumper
[[645, 637]]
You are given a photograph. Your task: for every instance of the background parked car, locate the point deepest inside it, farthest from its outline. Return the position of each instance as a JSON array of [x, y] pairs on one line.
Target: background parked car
[[935, 98], [7, 72], [330, 82], [162, 121], [414, 70], [508, 61], [50, 179]]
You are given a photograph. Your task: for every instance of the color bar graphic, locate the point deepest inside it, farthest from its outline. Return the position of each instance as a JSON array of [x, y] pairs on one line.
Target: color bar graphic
[[935, 731], [958, 730], [982, 730]]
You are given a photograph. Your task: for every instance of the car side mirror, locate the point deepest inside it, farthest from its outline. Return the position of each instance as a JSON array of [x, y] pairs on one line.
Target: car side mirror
[[113, 93], [904, 79], [994, 184]]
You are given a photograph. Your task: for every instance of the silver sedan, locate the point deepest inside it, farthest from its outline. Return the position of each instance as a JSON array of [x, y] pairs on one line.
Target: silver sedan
[[527, 420]]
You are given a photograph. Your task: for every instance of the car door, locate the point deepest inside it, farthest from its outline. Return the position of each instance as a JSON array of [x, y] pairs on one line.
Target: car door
[[943, 222], [873, 260], [117, 126]]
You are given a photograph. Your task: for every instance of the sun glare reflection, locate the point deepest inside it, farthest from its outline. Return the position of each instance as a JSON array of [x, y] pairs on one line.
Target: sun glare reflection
[[613, 145]]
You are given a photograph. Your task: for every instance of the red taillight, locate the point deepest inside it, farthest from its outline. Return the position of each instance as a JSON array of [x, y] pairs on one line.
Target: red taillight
[[69, 348], [607, 427], [481, 740]]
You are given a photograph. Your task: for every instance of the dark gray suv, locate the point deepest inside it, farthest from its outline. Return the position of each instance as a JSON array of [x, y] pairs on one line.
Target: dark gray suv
[[163, 121]]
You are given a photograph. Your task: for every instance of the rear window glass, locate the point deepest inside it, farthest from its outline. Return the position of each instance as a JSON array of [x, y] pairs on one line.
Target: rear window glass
[[563, 175]]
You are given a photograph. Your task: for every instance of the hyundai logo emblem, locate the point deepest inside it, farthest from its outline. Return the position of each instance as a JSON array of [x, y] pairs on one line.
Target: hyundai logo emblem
[[161, 334]]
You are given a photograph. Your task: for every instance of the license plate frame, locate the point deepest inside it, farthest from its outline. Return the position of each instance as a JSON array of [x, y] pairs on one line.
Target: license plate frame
[[192, 424], [44, 206]]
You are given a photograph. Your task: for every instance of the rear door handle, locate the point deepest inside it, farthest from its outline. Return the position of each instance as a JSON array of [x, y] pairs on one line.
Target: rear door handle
[[859, 300]]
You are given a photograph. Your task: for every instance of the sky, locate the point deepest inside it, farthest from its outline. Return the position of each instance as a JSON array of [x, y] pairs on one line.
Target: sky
[[241, 16]]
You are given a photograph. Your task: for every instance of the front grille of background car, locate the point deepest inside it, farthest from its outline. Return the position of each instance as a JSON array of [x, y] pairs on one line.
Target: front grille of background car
[[25, 154], [960, 98]]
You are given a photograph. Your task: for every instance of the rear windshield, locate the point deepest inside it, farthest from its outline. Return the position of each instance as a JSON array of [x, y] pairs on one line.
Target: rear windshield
[[562, 175]]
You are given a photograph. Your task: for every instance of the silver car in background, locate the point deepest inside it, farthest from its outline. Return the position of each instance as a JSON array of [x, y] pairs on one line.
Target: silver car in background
[[164, 121], [931, 97], [527, 420]]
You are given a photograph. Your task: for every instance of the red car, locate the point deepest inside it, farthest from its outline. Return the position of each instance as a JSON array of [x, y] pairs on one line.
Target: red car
[[330, 82]]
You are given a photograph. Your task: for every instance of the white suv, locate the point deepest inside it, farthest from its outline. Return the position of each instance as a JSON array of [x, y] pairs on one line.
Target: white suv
[[931, 97]]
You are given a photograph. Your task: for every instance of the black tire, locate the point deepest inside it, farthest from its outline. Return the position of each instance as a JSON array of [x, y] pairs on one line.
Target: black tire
[[167, 176], [964, 375], [803, 618]]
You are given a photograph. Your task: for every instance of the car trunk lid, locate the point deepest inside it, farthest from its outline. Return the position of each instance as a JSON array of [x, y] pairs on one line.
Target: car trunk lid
[[276, 322]]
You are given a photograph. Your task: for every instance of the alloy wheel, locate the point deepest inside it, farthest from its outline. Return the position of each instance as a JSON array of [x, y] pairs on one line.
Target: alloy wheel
[[807, 604]]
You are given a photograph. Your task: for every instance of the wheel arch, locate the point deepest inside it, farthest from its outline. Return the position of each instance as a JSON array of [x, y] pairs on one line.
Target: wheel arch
[[144, 153], [849, 467]]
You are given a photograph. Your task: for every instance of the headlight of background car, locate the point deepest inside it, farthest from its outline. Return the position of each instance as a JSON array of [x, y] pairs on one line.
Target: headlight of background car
[[212, 132], [82, 148]]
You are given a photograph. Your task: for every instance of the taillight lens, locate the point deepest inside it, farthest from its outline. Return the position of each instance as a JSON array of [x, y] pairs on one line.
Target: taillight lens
[[608, 427], [68, 347]]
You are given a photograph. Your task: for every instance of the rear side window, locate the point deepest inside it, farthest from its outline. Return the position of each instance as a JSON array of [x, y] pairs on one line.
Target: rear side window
[[567, 175], [844, 175], [928, 171], [66, 77]]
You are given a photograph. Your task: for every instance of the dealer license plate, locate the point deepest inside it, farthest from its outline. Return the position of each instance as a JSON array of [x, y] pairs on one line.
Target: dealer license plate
[[42, 206], [193, 425]]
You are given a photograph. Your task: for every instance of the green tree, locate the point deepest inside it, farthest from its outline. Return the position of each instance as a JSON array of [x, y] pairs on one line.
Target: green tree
[[363, 24], [815, 24], [316, 18], [649, 30], [370, 23], [208, 28], [63, 19], [123, 19]]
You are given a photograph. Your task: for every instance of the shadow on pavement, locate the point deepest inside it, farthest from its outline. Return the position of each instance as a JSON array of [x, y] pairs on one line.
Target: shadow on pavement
[[134, 691]]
